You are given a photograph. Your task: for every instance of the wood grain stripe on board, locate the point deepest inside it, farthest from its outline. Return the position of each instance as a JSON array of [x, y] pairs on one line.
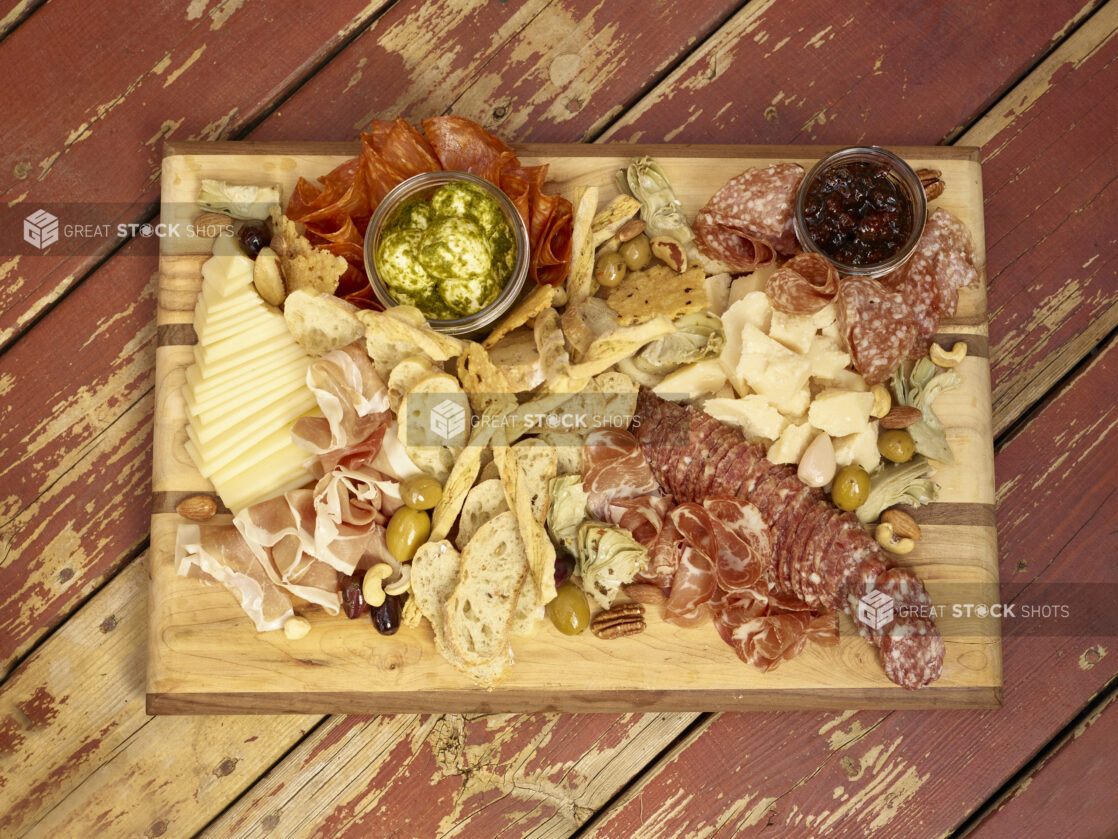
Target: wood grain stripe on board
[[78, 754], [862, 773], [175, 335], [187, 80]]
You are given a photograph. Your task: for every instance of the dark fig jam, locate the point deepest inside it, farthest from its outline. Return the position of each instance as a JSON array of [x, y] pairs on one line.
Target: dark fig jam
[[857, 213]]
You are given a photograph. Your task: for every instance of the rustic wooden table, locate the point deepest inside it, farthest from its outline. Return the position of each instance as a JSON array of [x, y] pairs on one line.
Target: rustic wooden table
[[91, 95]]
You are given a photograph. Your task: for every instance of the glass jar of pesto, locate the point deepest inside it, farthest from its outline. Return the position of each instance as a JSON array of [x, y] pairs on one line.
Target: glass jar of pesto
[[452, 245]]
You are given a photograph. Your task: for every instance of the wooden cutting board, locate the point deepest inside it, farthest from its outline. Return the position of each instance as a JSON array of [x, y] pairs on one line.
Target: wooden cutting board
[[204, 655]]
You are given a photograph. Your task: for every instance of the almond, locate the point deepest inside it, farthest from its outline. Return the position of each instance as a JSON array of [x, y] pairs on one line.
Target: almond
[[212, 225], [901, 416], [197, 508], [904, 525]]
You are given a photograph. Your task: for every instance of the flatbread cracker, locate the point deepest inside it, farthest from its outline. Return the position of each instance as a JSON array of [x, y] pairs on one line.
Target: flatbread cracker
[[517, 358], [518, 495], [483, 381], [532, 304], [580, 278], [613, 217], [656, 291], [611, 347]]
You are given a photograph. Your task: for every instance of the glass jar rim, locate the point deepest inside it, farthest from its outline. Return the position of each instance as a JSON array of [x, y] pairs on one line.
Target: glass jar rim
[[909, 181], [479, 320]]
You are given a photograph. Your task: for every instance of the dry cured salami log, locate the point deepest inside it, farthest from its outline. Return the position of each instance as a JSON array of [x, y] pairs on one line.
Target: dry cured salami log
[[748, 222], [822, 559]]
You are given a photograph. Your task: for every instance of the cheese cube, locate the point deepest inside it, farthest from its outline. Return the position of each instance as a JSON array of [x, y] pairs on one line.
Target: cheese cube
[[831, 331], [825, 318], [718, 292], [692, 381], [733, 319], [860, 449], [792, 444], [844, 380], [793, 331], [826, 359], [773, 371], [747, 283], [752, 414], [841, 412], [758, 311]]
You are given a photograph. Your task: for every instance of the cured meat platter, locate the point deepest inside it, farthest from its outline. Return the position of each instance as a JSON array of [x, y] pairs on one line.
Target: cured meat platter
[[204, 657]]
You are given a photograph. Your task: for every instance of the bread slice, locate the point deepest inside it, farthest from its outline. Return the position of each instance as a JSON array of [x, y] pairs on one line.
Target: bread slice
[[484, 502], [321, 322], [478, 613], [434, 575]]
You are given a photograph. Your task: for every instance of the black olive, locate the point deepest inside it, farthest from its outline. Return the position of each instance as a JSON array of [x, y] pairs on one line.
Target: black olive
[[564, 566], [253, 237], [353, 601], [386, 616]]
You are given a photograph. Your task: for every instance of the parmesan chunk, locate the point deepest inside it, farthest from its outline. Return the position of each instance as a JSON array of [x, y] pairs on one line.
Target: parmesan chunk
[[752, 414], [841, 412], [792, 444]]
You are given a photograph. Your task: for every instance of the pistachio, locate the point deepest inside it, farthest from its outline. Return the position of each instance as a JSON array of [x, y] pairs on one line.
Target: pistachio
[[670, 251]]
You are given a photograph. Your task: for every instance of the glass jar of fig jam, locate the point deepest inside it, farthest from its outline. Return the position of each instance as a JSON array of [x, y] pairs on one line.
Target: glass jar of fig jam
[[863, 208]]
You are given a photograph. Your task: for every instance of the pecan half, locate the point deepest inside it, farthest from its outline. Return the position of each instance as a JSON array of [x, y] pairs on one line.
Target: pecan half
[[932, 181], [621, 620]]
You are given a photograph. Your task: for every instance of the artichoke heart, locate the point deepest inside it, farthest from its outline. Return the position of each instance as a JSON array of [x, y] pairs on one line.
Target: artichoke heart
[[898, 483], [698, 336], [567, 512], [247, 201], [660, 209], [921, 388], [608, 558]]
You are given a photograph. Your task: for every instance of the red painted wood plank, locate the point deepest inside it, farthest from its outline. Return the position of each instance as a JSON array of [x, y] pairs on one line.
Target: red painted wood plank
[[541, 70], [868, 71], [920, 773], [1071, 793], [109, 86]]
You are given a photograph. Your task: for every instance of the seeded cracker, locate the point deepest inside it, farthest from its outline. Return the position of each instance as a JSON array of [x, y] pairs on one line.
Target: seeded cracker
[[659, 290]]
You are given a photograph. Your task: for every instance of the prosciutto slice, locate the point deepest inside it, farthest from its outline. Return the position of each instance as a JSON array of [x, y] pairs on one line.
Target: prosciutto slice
[[218, 554], [614, 469]]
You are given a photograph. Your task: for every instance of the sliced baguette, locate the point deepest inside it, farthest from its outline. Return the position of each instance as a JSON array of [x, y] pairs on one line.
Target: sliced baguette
[[477, 615]]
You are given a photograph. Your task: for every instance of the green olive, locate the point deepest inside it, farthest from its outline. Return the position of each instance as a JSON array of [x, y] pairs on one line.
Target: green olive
[[407, 530], [569, 610], [851, 486], [610, 269], [896, 445], [421, 492], [636, 252]]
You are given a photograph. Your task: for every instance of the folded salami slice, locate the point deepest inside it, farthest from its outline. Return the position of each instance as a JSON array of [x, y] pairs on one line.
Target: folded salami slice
[[877, 324], [803, 285], [749, 220], [942, 263]]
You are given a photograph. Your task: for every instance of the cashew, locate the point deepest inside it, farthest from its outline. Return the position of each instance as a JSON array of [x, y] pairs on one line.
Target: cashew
[[372, 586], [670, 251], [882, 401], [296, 627], [888, 540], [402, 584], [942, 358]]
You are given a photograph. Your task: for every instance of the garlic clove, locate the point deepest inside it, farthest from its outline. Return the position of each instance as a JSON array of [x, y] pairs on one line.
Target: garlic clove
[[817, 466]]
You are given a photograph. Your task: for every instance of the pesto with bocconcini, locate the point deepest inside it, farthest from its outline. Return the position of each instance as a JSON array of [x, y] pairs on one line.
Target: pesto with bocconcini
[[449, 255]]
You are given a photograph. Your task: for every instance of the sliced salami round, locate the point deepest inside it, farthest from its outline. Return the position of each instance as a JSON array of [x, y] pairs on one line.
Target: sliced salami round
[[877, 326], [803, 285]]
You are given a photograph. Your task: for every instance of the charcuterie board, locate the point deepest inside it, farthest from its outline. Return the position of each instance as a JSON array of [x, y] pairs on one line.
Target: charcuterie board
[[205, 657]]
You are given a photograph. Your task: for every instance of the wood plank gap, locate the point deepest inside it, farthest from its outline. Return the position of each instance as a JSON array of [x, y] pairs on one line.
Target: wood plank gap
[[18, 663], [18, 15], [699, 723], [152, 213], [280, 758], [1042, 756], [998, 96], [1014, 428]]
